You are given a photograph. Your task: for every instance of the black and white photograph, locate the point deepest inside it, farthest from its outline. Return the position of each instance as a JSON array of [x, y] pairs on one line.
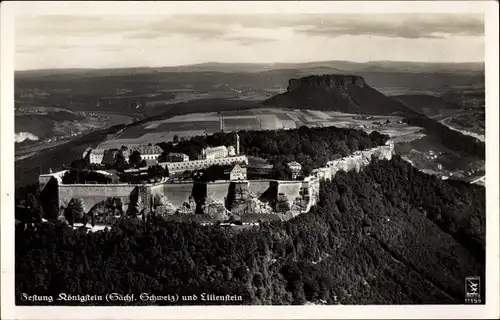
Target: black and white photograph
[[249, 154]]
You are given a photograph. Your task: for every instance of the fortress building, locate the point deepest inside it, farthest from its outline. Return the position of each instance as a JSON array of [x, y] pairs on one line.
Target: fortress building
[[300, 195], [177, 157], [147, 152], [295, 168], [214, 153], [178, 167], [96, 155], [238, 172]]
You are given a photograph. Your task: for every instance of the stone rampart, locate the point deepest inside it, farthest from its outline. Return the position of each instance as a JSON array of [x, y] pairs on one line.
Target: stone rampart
[[94, 194], [258, 188], [218, 191], [177, 193], [290, 189]]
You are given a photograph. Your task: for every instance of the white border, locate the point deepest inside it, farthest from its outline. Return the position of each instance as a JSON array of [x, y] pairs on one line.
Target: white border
[[9, 311]]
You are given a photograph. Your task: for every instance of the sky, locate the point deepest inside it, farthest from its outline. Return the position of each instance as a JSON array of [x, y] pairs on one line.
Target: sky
[[112, 41]]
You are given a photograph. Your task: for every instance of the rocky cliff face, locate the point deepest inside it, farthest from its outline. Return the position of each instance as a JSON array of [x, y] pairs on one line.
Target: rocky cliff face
[[336, 92], [327, 82]]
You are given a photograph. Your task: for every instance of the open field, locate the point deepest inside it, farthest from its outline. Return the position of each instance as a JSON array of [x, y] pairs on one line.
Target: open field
[[257, 119]]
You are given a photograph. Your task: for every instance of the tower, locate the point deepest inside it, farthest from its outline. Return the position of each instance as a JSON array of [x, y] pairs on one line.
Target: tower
[[221, 120], [237, 144]]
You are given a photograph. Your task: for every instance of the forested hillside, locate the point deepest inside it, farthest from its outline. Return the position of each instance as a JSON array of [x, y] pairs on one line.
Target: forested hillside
[[389, 234], [311, 147]]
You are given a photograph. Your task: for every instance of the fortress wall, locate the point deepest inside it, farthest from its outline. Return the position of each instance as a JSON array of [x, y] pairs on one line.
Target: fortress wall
[[176, 193], [258, 187], [218, 191], [93, 194], [291, 189], [356, 161], [42, 181]]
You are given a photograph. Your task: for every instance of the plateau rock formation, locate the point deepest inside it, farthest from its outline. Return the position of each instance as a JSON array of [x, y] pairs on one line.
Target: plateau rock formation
[[334, 92]]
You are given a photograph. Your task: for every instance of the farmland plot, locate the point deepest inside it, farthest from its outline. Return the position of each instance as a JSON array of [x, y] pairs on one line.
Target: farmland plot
[[269, 122], [191, 125], [241, 124]]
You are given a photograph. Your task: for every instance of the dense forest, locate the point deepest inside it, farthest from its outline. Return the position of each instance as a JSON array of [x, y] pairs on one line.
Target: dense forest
[[311, 147], [387, 235]]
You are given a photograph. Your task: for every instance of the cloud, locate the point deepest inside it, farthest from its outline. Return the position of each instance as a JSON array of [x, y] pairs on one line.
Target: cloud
[[48, 41], [247, 41], [220, 26], [395, 26]]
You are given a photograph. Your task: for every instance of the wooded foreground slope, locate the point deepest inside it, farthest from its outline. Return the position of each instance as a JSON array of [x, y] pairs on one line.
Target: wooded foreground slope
[[387, 235]]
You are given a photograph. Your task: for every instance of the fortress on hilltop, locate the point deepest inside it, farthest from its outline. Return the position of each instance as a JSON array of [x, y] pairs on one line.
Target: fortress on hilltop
[[251, 200]]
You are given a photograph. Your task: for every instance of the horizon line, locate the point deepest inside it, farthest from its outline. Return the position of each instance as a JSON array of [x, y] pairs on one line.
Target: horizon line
[[248, 63]]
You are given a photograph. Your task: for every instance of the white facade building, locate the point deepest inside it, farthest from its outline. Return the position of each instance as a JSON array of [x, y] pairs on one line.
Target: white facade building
[[96, 156], [177, 167], [147, 152], [295, 167], [214, 153], [238, 172]]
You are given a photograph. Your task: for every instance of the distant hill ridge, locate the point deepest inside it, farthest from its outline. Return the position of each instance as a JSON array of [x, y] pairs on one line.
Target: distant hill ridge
[[336, 92]]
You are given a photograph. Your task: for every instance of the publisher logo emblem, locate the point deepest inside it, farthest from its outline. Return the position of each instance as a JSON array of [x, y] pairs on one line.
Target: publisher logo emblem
[[473, 290]]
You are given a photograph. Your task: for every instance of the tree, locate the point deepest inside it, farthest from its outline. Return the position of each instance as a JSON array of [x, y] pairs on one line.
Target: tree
[[306, 170], [135, 158], [282, 204], [92, 220], [34, 207], [74, 211], [176, 139], [156, 172], [80, 164], [119, 162]]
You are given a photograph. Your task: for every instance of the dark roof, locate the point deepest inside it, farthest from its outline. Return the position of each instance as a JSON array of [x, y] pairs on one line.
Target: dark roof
[[109, 156], [151, 162], [242, 165], [145, 149]]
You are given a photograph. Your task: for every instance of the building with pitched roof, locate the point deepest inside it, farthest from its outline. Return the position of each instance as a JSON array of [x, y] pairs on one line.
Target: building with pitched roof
[[214, 153], [177, 157], [238, 172], [147, 152], [96, 155], [295, 168]]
